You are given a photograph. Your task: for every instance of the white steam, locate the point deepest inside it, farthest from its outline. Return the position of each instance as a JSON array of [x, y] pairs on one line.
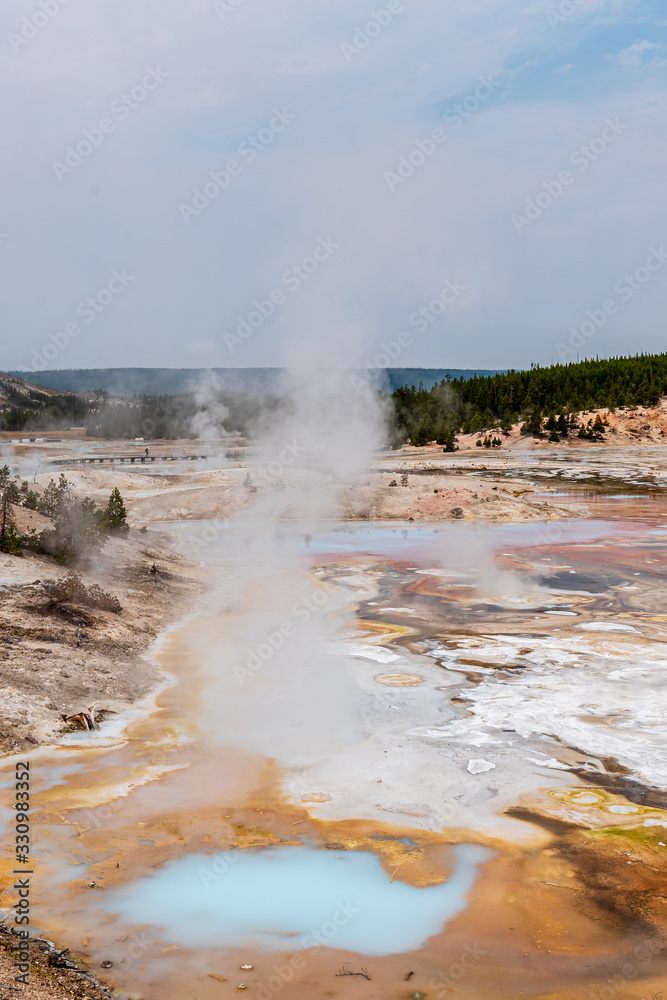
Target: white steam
[[275, 685]]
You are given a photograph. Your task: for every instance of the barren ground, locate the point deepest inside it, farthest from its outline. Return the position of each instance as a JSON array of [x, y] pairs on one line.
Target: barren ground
[[62, 658]]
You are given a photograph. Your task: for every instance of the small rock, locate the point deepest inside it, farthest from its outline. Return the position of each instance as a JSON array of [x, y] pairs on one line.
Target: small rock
[[107, 963], [477, 766]]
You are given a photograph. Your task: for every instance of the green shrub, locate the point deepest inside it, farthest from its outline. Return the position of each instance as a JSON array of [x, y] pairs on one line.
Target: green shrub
[[114, 516]]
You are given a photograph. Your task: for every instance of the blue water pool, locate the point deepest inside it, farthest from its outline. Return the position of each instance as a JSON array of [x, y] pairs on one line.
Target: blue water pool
[[291, 898]]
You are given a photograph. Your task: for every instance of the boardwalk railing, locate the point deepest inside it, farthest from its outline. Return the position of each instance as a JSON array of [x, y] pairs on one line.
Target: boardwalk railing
[[134, 459]]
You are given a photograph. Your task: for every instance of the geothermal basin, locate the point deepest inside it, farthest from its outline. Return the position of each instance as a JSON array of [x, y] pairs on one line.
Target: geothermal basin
[[421, 752]]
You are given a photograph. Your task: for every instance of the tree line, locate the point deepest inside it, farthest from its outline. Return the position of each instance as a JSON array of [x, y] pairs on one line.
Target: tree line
[[548, 400]]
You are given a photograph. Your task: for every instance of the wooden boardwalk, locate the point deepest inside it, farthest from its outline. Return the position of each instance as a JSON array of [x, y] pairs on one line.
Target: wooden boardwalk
[[133, 459]]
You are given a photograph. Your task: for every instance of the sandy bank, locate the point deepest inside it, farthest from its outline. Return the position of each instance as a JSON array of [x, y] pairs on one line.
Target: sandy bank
[[63, 657]]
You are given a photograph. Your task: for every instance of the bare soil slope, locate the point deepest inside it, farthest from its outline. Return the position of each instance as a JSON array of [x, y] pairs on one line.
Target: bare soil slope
[[62, 657]]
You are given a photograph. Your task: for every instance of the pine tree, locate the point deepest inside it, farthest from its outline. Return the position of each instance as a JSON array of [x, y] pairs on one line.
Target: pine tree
[[55, 496], [489, 419], [31, 500], [533, 424], [76, 532], [10, 541], [440, 431], [424, 433], [114, 516], [449, 441]]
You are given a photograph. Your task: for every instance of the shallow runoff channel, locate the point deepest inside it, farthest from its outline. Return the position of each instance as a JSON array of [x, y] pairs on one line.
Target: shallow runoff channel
[[360, 733]]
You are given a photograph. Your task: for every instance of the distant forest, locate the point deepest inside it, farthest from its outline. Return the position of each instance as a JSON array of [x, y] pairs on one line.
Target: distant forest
[[35, 410], [162, 417], [548, 400]]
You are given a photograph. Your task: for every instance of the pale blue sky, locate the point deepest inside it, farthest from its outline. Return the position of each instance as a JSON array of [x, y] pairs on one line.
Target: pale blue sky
[[221, 71]]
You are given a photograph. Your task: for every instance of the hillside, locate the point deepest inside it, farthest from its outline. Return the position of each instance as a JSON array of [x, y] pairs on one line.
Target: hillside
[[15, 391], [25, 403]]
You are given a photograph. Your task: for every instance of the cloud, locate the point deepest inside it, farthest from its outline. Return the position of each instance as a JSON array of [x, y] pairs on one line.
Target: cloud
[[635, 55], [323, 176]]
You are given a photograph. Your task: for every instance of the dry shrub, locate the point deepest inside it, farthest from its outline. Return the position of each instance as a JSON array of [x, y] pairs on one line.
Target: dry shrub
[[72, 590]]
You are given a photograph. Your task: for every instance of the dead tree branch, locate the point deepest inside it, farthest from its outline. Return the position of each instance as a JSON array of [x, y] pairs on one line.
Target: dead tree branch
[[349, 972]]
